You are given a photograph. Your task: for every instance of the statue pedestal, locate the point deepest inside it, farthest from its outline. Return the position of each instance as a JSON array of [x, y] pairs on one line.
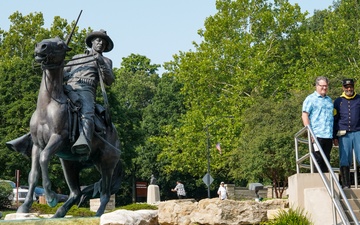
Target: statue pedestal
[[153, 194], [95, 204]]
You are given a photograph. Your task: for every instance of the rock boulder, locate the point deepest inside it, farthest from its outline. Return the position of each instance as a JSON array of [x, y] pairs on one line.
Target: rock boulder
[[216, 212], [125, 217]]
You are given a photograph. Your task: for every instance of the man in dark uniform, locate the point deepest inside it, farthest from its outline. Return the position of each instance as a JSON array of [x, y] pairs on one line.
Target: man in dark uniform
[[82, 75], [347, 128]]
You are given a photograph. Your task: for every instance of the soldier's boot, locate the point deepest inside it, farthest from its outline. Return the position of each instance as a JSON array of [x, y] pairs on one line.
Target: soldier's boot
[[345, 176], [83, 144]]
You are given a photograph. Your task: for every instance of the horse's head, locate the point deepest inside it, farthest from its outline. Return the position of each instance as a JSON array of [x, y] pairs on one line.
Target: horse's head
[[51, 51]]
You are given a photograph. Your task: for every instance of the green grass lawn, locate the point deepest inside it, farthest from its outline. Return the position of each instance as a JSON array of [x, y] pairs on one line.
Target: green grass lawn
[[6, 211]]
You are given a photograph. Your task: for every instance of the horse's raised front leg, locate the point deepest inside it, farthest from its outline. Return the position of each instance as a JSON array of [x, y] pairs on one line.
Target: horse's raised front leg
[[71, 172], [51, 148], [32, 180]]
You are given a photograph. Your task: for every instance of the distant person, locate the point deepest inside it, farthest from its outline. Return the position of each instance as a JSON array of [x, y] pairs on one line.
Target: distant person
[[180, 190], [222, 192], [347, 129], [317, 112]]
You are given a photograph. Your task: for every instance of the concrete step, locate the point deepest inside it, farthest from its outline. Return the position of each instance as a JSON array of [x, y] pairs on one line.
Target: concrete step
[[354, 203], [356, 212], [352, 193], [353, 197]]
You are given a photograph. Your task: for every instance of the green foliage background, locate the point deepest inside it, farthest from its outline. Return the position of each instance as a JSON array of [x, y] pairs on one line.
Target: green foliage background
[[256, 62], [6, 194]]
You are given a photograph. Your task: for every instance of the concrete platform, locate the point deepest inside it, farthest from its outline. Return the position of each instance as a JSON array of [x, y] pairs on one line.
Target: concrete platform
[[307, 191]]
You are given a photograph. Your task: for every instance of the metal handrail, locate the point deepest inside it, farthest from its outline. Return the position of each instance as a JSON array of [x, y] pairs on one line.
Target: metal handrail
[[329, 183]]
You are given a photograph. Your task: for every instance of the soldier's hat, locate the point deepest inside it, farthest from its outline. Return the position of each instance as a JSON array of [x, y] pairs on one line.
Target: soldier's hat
[[348, 82], [101, 34]]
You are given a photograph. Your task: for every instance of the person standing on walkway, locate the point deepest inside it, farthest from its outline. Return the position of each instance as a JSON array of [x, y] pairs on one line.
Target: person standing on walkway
[[180, 190], [222, 192], [317, 112], [347, 128]]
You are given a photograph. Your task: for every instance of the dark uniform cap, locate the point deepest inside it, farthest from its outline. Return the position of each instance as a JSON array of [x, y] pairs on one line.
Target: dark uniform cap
[[101, 34], [348, 82]]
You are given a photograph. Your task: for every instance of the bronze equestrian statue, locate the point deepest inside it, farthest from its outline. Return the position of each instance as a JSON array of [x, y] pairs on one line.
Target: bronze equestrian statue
[[55, 125]]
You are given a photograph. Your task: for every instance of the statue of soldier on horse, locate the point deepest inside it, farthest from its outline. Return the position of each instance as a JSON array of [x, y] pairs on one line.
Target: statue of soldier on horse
[[69, 124]]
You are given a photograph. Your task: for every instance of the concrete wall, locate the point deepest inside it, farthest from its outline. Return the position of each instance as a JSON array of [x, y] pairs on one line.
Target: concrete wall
[[243, 193], [307, 191]]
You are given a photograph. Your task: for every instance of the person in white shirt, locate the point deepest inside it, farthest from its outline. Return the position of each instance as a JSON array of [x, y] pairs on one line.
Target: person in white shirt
[[222, 192], [180, 190]]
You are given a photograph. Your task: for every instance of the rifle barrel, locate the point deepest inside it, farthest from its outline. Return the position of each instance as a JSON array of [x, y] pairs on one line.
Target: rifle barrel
[[73, 30]]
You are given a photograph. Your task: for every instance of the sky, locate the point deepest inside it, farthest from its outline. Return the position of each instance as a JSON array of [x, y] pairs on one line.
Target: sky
[[157, 29]]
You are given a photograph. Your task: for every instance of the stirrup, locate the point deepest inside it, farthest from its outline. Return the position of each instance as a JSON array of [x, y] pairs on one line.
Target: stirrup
[[81, 146]]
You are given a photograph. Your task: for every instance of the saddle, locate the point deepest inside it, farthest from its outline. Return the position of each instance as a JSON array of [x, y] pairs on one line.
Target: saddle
[[23, 144], [74, 106]]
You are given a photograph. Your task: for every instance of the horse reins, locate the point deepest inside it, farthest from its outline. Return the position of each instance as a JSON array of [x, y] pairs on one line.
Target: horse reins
[[44, 67]]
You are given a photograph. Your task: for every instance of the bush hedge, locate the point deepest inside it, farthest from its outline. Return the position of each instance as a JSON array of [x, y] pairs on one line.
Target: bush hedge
[[138, 206], [74, 210], [6, 194], [84, 212]]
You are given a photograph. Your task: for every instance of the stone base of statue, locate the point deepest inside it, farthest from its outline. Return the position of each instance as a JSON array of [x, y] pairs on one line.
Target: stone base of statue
[[95, 204], [153, 194]]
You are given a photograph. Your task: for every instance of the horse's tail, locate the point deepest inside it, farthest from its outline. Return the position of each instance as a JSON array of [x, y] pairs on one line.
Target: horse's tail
[[93, 190]]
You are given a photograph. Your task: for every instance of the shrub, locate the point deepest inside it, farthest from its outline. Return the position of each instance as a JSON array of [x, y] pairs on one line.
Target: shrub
[[80, 212], [74, 210], [43, 208], [83, 212], [134, 207], [290, 217], [6, 194]]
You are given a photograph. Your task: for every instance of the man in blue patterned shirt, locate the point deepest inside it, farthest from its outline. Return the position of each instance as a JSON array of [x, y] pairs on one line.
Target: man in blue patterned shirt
[[347, 128], [317, 112]]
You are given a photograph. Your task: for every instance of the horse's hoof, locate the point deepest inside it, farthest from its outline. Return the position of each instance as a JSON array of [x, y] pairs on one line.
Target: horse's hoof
[[53, 202], [61, 212], [23, 209]]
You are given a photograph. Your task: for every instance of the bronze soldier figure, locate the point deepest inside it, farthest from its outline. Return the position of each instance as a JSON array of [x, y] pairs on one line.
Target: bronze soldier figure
[[82, 75]]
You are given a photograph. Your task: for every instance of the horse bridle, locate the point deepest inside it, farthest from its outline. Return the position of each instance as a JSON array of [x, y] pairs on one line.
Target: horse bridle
[[45, 66]]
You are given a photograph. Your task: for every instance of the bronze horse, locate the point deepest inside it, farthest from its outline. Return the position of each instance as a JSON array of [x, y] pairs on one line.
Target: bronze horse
[[49, 136]]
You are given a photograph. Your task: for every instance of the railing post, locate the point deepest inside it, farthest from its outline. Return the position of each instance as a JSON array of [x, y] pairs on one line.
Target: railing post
[[337, 208]]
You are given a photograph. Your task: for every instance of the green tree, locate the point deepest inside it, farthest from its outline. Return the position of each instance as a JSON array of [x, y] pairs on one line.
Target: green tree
[[265, 149], [248, 51], [132, 92], [164, 112], [330, 44]]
